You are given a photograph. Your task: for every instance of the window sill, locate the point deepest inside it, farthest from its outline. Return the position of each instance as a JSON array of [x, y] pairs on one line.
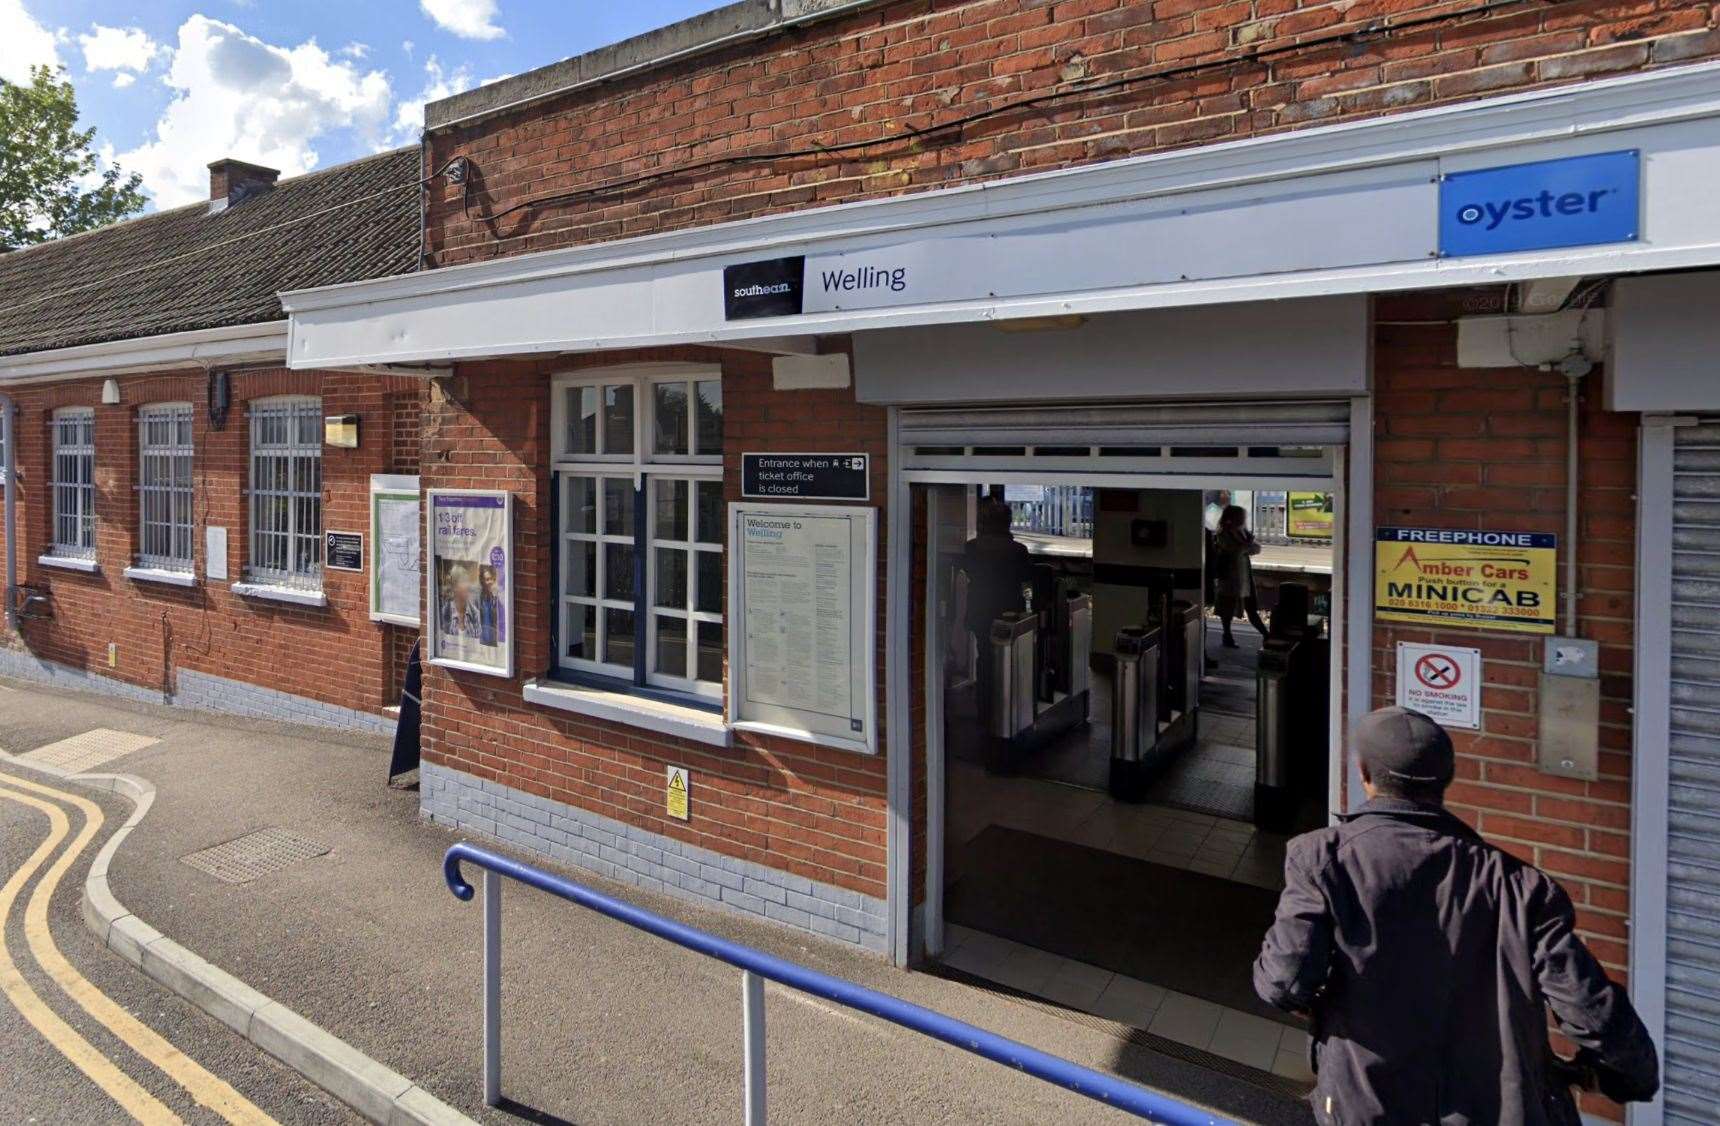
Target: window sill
[[160, 575], [280, 594], [70, 563], [694, 724]]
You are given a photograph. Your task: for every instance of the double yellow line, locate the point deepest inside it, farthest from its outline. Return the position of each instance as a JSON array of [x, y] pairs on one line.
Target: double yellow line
[[204, 1087]]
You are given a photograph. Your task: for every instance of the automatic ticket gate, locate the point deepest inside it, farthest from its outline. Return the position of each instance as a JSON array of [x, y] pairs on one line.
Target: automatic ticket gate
[[1155, 702], [1036, 684], [1292, 725]]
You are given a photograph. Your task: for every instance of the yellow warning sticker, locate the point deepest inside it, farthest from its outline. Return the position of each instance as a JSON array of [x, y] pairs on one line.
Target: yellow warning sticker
[[677, 793]]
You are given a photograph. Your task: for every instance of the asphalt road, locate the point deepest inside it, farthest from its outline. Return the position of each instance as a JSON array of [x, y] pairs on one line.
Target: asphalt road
[[86, 1037]]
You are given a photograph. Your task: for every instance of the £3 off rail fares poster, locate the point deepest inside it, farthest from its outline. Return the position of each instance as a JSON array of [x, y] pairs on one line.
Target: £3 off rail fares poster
[[1451, 577]]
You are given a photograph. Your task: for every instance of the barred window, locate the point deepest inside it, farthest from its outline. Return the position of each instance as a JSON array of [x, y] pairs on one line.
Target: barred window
[[286, 492], [641, 579], [75, 483], [164, 486]]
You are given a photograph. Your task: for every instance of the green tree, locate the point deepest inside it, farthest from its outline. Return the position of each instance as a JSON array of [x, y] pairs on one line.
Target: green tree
[[49, 186]]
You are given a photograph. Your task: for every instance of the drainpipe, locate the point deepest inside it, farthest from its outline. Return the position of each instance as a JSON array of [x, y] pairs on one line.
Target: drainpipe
[[1573, 367], [8, 417]]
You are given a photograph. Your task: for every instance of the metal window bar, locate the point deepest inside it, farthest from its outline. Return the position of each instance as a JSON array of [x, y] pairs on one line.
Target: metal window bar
[[756, 967], [164, 486], [286, 493], [74, 484]]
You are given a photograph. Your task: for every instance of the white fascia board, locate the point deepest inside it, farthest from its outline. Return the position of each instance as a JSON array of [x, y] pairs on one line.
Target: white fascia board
[[1572, 118], [253, 343]]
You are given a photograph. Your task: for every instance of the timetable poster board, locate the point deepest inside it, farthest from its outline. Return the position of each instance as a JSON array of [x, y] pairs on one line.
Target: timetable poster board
[[396, 549], [803, 583], [470, 585]]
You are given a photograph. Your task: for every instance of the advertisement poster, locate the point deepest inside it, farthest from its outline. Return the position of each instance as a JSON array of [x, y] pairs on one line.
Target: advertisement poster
[[1457, 578], [804, 586], [396, 549], [471, 581], [1308, 516]]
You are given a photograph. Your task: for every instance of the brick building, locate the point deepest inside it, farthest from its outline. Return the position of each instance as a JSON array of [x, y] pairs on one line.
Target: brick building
[[170, 483], [1442, 265]]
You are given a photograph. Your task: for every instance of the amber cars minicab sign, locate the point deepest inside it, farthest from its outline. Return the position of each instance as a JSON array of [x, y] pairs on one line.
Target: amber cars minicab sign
[[1458, 578]]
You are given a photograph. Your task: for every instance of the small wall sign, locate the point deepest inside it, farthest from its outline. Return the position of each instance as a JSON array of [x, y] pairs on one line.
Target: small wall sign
[[676, 795], [805, 476], [771, 288], [343, 551], [1572, 201], [1443, 682]]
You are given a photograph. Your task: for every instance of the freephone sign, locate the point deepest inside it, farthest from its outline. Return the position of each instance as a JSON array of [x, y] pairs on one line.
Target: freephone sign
[[1454, 577], [1573, 201]]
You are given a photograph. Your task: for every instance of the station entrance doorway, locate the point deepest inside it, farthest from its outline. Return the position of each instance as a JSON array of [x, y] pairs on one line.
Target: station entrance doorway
[[1130, 678]]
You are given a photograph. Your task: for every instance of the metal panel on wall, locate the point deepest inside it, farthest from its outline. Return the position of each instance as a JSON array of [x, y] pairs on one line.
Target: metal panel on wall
[[1692, 1047]]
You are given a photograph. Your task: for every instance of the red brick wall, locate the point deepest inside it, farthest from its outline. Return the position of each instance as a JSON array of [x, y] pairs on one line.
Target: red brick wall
[[334, 654], [1228, 69], [1480, 448], [817, 812]]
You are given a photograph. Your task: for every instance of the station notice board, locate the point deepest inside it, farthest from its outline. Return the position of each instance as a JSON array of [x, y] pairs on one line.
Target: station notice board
[[803, 593]]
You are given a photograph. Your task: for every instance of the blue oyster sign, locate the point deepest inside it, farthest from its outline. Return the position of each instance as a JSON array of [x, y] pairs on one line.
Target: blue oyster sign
[[1574, 201]]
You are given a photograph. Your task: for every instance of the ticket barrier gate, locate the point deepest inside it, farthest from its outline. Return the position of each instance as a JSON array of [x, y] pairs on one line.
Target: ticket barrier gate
[[1135, 701], [1037, 680], [1292, 716]]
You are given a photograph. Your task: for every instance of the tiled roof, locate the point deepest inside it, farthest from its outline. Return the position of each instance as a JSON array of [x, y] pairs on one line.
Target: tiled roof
[[185, 269]]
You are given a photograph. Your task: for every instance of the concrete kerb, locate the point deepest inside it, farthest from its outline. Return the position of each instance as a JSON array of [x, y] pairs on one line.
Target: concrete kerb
[[379, 1093]]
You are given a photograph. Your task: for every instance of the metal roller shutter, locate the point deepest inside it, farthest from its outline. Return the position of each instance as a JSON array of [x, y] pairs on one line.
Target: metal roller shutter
[[1692, 1063], [1130, 425]]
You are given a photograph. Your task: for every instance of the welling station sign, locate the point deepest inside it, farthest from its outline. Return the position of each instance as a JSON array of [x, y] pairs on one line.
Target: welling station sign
[[1571, 201]]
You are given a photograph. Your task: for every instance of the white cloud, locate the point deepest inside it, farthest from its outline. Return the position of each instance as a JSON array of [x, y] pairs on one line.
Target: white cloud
[[123, 79], [117, 48], [469, 19], [356, 50], [235, 95], [438, 84], [24, 43]]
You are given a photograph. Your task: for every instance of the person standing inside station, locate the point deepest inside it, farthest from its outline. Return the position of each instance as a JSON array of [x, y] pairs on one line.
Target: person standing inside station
[[996, 565], [1233, 549], [1426, 959]]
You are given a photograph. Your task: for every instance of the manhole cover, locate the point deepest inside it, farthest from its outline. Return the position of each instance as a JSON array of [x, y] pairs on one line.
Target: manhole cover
[[255, 854]]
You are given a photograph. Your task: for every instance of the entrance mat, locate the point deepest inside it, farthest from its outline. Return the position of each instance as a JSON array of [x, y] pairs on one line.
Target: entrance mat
[[1187, 931]]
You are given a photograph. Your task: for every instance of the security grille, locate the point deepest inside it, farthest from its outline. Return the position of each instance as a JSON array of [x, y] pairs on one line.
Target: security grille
[[1692, 1064], [164, 486], [74, 483], [286, 492], [1267, 439]]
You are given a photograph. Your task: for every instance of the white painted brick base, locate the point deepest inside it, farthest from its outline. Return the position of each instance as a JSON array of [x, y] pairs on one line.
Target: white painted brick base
[[648, 860]]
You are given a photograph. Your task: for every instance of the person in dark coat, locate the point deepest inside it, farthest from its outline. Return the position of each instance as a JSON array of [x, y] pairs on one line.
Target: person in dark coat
[[1426, 960], [996, 565]]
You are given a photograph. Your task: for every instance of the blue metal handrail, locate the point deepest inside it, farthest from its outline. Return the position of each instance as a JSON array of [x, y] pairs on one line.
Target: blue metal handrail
[[756, 966]]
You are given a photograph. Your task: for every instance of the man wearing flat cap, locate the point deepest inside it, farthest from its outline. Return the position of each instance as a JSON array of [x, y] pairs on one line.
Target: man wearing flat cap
[[1426, 960]]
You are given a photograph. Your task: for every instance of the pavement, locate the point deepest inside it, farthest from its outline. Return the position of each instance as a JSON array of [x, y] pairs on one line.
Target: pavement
[[601, 1023]]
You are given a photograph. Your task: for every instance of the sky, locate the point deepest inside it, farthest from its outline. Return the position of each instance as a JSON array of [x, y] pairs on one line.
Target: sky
[[170, 85]]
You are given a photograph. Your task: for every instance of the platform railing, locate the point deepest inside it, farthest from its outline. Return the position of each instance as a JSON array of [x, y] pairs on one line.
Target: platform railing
[[756, 968]]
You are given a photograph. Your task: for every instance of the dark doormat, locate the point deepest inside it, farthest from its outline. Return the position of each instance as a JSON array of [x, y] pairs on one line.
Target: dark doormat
[[1194, 933]]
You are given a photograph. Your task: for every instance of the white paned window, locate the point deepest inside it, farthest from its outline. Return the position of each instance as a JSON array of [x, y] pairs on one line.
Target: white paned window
[[75, 483], [641, 580], [286, 492], [164, 486]]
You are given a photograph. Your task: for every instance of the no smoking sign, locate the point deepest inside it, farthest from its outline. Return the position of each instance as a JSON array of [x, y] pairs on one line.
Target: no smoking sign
[[1441, 681]]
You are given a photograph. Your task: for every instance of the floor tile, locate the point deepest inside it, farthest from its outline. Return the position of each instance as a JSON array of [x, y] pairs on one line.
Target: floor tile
[[1185, 1019], [1128, 1000], [1292, 1065], [1076, 984], [1246, 1038]]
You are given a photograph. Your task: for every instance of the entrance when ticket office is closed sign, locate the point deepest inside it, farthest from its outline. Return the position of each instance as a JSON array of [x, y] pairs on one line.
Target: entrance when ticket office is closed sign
[[1460, 578]]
